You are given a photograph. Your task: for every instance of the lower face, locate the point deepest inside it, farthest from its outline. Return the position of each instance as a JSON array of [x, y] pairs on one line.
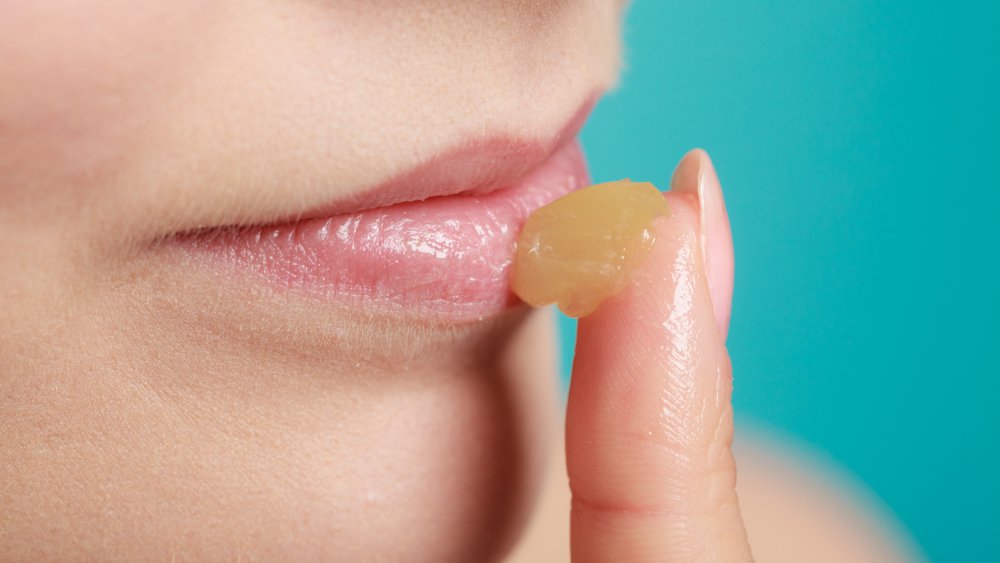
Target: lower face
[[254, 295]]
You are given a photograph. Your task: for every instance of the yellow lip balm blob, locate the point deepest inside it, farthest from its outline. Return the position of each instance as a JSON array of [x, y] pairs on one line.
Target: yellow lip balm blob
[[580, 249]]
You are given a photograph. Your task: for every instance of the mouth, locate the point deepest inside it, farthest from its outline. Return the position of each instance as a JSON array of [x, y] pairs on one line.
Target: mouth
[[436, 242]]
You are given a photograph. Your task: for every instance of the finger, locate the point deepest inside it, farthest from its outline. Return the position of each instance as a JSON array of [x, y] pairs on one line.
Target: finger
[[649, 421]]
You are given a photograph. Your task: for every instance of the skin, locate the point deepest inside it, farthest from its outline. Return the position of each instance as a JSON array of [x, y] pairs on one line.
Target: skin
[[149, 411], [649, 427]]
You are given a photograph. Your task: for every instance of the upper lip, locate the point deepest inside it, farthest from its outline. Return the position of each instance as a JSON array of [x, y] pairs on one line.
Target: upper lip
[[475, 166]]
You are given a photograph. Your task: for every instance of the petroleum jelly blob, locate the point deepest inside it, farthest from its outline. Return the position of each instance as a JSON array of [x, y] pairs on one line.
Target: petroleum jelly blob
[[580, 249]]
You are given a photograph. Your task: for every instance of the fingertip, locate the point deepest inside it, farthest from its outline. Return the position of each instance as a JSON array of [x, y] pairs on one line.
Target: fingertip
[[696, 175], [649, 421]]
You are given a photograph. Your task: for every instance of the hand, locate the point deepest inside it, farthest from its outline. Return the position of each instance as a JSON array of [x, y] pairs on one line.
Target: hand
[[649, 420]]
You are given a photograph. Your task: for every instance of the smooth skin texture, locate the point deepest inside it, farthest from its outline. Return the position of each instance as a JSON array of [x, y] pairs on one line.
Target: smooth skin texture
[[649, 429], [150, 411], [649, 420]]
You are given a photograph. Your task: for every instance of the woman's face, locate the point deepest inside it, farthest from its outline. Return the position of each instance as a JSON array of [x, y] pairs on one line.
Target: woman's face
[[161, 395]]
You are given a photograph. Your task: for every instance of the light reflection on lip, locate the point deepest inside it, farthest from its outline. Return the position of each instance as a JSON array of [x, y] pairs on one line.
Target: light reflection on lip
[[436, 242]]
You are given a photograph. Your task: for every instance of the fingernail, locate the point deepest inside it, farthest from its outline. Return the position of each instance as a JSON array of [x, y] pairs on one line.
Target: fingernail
[[695, 174]]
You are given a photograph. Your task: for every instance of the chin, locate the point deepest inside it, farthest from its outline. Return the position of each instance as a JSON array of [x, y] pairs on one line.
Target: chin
[[442, 472]]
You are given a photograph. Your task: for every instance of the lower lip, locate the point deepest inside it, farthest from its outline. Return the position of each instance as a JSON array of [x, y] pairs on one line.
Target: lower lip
[[445, 258]]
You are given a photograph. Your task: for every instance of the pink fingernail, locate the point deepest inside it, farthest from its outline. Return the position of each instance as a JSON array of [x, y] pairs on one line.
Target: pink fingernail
[[695, 174]]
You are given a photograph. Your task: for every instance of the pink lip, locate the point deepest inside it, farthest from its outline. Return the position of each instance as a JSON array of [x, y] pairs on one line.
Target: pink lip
[[446, 257], [475, 167]]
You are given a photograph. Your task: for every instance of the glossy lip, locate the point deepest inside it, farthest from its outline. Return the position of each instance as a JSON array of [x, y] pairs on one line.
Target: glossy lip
[[436, 242]]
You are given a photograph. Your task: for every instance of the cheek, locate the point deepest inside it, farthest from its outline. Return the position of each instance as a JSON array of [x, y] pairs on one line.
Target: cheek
[[75, 79]]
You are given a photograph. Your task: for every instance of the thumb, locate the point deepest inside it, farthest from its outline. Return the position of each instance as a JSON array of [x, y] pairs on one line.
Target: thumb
[[649, 419]]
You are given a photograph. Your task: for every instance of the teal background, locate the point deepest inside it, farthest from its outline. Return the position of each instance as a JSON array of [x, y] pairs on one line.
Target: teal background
[[857, 147]]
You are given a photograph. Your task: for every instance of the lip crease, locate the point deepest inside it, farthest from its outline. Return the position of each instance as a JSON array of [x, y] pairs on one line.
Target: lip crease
[[436, 242]]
